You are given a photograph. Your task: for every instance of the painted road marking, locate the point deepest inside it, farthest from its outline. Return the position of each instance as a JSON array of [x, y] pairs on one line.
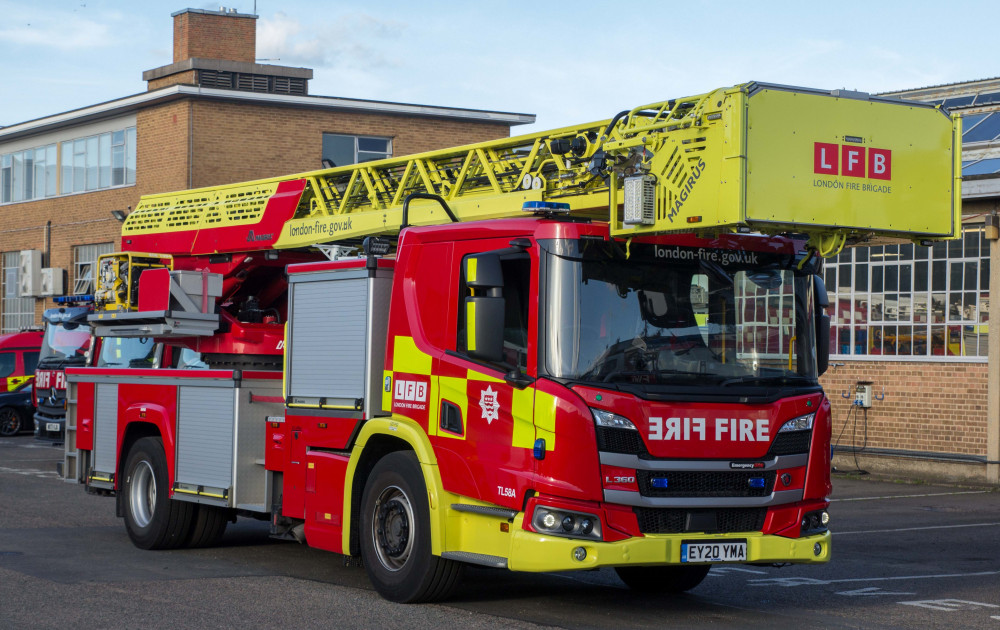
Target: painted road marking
[[949, 605], [871, 590], [915, 529], [911, 496], [717, 570], [30, 471], [804, 581]]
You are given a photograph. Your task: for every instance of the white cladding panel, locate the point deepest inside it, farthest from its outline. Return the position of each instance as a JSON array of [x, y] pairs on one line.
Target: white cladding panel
[[328, 331]]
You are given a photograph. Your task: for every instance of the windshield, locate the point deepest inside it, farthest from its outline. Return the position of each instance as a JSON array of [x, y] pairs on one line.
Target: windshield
[[137, 352], [681, 315], [64, 344]]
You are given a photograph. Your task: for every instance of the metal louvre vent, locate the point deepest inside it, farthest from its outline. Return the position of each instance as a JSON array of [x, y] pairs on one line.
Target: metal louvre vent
[[679, 521], [215, 79], [245, 82], [251, 83], [705, 483], [790, 443], [627, 441]]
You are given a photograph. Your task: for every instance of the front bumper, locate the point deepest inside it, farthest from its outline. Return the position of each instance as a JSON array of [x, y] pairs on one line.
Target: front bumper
[[49, 429], [530, 551]]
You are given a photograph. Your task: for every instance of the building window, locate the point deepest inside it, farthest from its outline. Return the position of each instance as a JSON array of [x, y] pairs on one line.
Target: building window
[[96, 162], [343, 150], [85, 265], [18, 312], [28, 174], [912, 301]]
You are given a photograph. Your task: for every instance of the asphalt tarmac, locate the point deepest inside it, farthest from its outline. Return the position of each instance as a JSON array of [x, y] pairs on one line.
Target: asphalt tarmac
[[904, 556]]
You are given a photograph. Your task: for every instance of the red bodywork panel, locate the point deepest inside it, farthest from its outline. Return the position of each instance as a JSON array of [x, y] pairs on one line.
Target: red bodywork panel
[[232, 238], [142, 402], [16, 345], [703, 430]]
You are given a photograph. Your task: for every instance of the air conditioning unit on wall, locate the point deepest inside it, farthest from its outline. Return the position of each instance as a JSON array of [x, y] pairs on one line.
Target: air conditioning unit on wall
[[53, 281], [29, 273]]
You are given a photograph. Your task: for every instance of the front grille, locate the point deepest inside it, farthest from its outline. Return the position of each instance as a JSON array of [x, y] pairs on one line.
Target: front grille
[[613, 440], [790, 443], [679, 521], [704, 483]]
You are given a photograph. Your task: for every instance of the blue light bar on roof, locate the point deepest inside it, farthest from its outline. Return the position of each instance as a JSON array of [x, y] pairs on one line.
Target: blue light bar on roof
[[545, 206], [74, 299]]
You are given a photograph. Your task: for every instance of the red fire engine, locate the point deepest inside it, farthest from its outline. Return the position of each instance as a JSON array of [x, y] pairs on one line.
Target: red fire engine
[[385, 360]]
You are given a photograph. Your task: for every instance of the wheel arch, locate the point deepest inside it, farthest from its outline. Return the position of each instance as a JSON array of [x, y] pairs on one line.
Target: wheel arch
[[378, 438]]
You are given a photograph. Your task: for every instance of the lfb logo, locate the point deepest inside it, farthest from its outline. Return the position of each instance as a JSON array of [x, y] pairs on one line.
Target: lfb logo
[[852, 161], [414, 391]]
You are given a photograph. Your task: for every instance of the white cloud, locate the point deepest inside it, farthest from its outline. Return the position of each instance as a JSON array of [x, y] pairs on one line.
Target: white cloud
[[58, 31], [356, 41]]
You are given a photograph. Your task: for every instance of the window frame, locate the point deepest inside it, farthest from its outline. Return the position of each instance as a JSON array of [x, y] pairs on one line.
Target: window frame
[[18, 312], [921, 326], [358, 151], [85, 267]]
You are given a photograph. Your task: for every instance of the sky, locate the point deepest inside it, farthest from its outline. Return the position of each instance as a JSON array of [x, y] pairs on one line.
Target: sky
[[566, 63]]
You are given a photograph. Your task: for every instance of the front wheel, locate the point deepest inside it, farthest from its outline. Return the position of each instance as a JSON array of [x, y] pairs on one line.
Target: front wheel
[[10, 422], [396, 536], [663, 579], [152, 519]]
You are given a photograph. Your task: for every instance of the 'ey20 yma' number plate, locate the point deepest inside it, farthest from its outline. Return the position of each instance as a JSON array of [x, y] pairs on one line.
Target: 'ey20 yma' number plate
[[714, 551]]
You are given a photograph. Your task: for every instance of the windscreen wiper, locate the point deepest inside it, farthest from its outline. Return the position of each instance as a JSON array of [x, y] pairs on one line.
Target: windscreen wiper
[[777, 380]]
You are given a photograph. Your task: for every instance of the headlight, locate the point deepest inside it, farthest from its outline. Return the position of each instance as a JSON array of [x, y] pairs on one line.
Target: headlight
[[611, 420], [548, 520], [802, 423]]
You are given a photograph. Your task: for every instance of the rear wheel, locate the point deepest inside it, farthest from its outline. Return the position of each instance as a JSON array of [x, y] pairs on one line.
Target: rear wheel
[[396, 536], [667, 579], [10, 422], [152, 519], [207, 526]]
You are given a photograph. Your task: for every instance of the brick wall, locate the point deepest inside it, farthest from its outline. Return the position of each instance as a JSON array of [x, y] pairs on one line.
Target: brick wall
[[185, 78], [76, 220], [930, 407], [235, 142], [162, 155], [214, 36]]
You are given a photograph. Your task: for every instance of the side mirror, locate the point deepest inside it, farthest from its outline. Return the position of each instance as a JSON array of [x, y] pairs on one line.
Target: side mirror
[[484, 309], [822, 326]]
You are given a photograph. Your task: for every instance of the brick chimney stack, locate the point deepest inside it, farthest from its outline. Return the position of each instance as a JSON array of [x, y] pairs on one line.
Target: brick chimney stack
[[223, 34], [217, 50]]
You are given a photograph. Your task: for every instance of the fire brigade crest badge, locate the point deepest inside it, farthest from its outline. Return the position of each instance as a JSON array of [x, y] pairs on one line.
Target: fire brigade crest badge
[[488, 403]]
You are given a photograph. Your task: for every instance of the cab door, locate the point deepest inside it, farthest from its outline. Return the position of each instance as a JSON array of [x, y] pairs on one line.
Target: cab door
[[484, 429]]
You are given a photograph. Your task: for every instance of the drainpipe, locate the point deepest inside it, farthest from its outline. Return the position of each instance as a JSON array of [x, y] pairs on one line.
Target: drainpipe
[[48, 244], [993, 373]]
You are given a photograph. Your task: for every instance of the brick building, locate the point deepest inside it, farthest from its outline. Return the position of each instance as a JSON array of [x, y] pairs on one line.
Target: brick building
[[212, 116], [914, 322]]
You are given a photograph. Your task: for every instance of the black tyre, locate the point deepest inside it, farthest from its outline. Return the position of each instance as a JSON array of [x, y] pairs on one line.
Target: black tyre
[[11, 422], [153, 520], [668, 579], [396, 536], [207, 526]]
